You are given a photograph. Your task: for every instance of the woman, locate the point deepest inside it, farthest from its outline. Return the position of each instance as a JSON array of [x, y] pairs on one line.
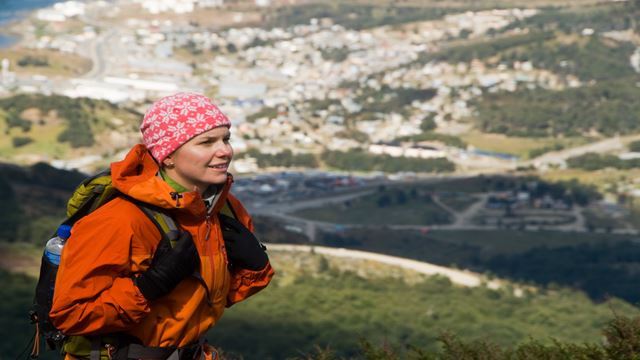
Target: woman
[[112, 288]]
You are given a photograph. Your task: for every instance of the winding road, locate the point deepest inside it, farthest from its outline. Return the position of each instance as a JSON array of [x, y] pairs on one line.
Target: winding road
[[460, 277]]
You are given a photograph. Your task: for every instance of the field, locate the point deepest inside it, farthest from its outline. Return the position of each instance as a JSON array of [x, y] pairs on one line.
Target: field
[[338, 309], [392, 207], [522, 147], [602, 179], [58, 64], [45, 143], [457, 201], [56, 127]]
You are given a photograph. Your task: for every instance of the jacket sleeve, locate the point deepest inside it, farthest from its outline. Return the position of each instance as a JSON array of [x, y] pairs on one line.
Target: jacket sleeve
[[245, 283], [94, 292]]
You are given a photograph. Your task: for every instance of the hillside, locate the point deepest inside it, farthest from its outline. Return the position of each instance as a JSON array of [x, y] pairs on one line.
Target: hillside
[[335, 303], [34, 200], [57, 128]]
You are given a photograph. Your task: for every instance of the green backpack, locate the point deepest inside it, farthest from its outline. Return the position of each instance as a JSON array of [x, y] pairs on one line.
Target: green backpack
[[92, 193]]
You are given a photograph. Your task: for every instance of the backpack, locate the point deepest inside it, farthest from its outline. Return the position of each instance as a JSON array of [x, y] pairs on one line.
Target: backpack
[[92, 193]]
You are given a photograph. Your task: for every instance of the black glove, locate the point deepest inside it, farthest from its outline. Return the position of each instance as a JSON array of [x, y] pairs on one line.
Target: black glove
[[169, 268], [243, 249]]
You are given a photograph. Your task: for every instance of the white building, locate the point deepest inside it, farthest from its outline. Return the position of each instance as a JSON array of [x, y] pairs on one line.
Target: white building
[[61, 11], [102, 91], [210, 3], [236, 89], [161, 6]]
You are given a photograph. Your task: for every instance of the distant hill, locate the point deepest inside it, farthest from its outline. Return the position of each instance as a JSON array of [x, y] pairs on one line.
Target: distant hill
[[46, 128]]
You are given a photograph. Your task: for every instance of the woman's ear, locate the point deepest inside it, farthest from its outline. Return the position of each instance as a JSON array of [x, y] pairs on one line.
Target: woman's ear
[[168, 162]]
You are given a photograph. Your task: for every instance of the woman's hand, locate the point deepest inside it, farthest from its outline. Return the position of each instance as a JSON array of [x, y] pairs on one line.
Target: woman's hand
[[243, 248], [169, 268]]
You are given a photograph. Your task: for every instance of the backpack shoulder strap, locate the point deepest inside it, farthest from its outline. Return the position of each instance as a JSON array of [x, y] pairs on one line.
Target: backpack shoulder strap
[[170, 232], [90, 194], [166, 225], [228, 210]]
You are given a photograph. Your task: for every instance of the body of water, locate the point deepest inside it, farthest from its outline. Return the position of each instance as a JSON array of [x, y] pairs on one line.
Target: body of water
[[11, 10]]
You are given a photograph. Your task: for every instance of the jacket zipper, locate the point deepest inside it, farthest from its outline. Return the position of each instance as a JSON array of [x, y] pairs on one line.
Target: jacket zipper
[[198, 275], [207, 234]]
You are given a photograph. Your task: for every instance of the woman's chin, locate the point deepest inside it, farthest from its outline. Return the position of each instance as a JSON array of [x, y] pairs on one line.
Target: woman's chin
[[217, 179]]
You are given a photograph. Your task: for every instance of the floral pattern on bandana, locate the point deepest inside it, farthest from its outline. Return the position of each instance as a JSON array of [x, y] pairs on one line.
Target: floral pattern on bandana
[[174, 120]]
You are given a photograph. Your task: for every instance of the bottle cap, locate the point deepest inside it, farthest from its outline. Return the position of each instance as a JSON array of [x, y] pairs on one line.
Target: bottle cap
[[64, 231]]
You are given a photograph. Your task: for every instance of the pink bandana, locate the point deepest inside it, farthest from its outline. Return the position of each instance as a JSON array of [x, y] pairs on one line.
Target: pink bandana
[[174, 120]]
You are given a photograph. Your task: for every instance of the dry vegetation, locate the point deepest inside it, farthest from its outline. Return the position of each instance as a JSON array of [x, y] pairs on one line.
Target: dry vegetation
[[59, 64]]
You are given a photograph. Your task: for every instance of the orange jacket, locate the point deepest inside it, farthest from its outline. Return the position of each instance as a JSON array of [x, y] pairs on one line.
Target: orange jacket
[[94, 291]]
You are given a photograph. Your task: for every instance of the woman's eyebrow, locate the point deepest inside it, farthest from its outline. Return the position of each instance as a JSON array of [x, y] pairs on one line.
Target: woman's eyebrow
[[213, 137]]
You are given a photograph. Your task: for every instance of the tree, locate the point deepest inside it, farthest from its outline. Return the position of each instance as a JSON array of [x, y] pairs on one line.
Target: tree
[[384, 200], [10, 212], [428, 123]]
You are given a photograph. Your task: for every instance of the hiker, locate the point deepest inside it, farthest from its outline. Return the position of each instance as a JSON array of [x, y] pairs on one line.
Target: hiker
[[118, 287]]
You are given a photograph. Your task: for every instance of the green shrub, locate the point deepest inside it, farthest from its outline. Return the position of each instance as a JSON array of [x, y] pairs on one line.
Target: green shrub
[[608, 107], [286, 158], [358, 160], [29, 60], [622, 343], [634, 146], [21, 141]]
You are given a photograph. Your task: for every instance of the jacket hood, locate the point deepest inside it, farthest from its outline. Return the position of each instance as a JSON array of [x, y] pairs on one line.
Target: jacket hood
[[136, 176]]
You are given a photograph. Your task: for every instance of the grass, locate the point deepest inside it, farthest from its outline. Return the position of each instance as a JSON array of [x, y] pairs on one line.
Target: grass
[[45, 132], [604, 179], [634, 214], [335, 309], [332, 302], [367, 211], [457, 201], [60, 64], [599, 220], [518, 146], [21, 257], [45, 143]]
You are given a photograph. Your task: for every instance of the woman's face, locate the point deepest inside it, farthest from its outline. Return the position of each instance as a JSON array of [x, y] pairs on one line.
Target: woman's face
[[202, 161]]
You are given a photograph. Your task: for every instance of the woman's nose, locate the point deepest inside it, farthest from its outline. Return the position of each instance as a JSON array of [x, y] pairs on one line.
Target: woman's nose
[[225, 151]]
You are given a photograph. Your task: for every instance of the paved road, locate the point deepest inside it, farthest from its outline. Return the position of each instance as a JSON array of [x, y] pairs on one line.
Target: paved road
[[607, 145], [97, 54], [460, 277], [97, 46]]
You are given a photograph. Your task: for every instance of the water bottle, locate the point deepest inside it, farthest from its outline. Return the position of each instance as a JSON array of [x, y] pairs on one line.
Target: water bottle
[[53, 249]]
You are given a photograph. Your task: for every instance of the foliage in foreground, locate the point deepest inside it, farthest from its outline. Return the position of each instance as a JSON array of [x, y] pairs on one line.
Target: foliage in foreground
[[317, 301], [312, 302], [622, 336]]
